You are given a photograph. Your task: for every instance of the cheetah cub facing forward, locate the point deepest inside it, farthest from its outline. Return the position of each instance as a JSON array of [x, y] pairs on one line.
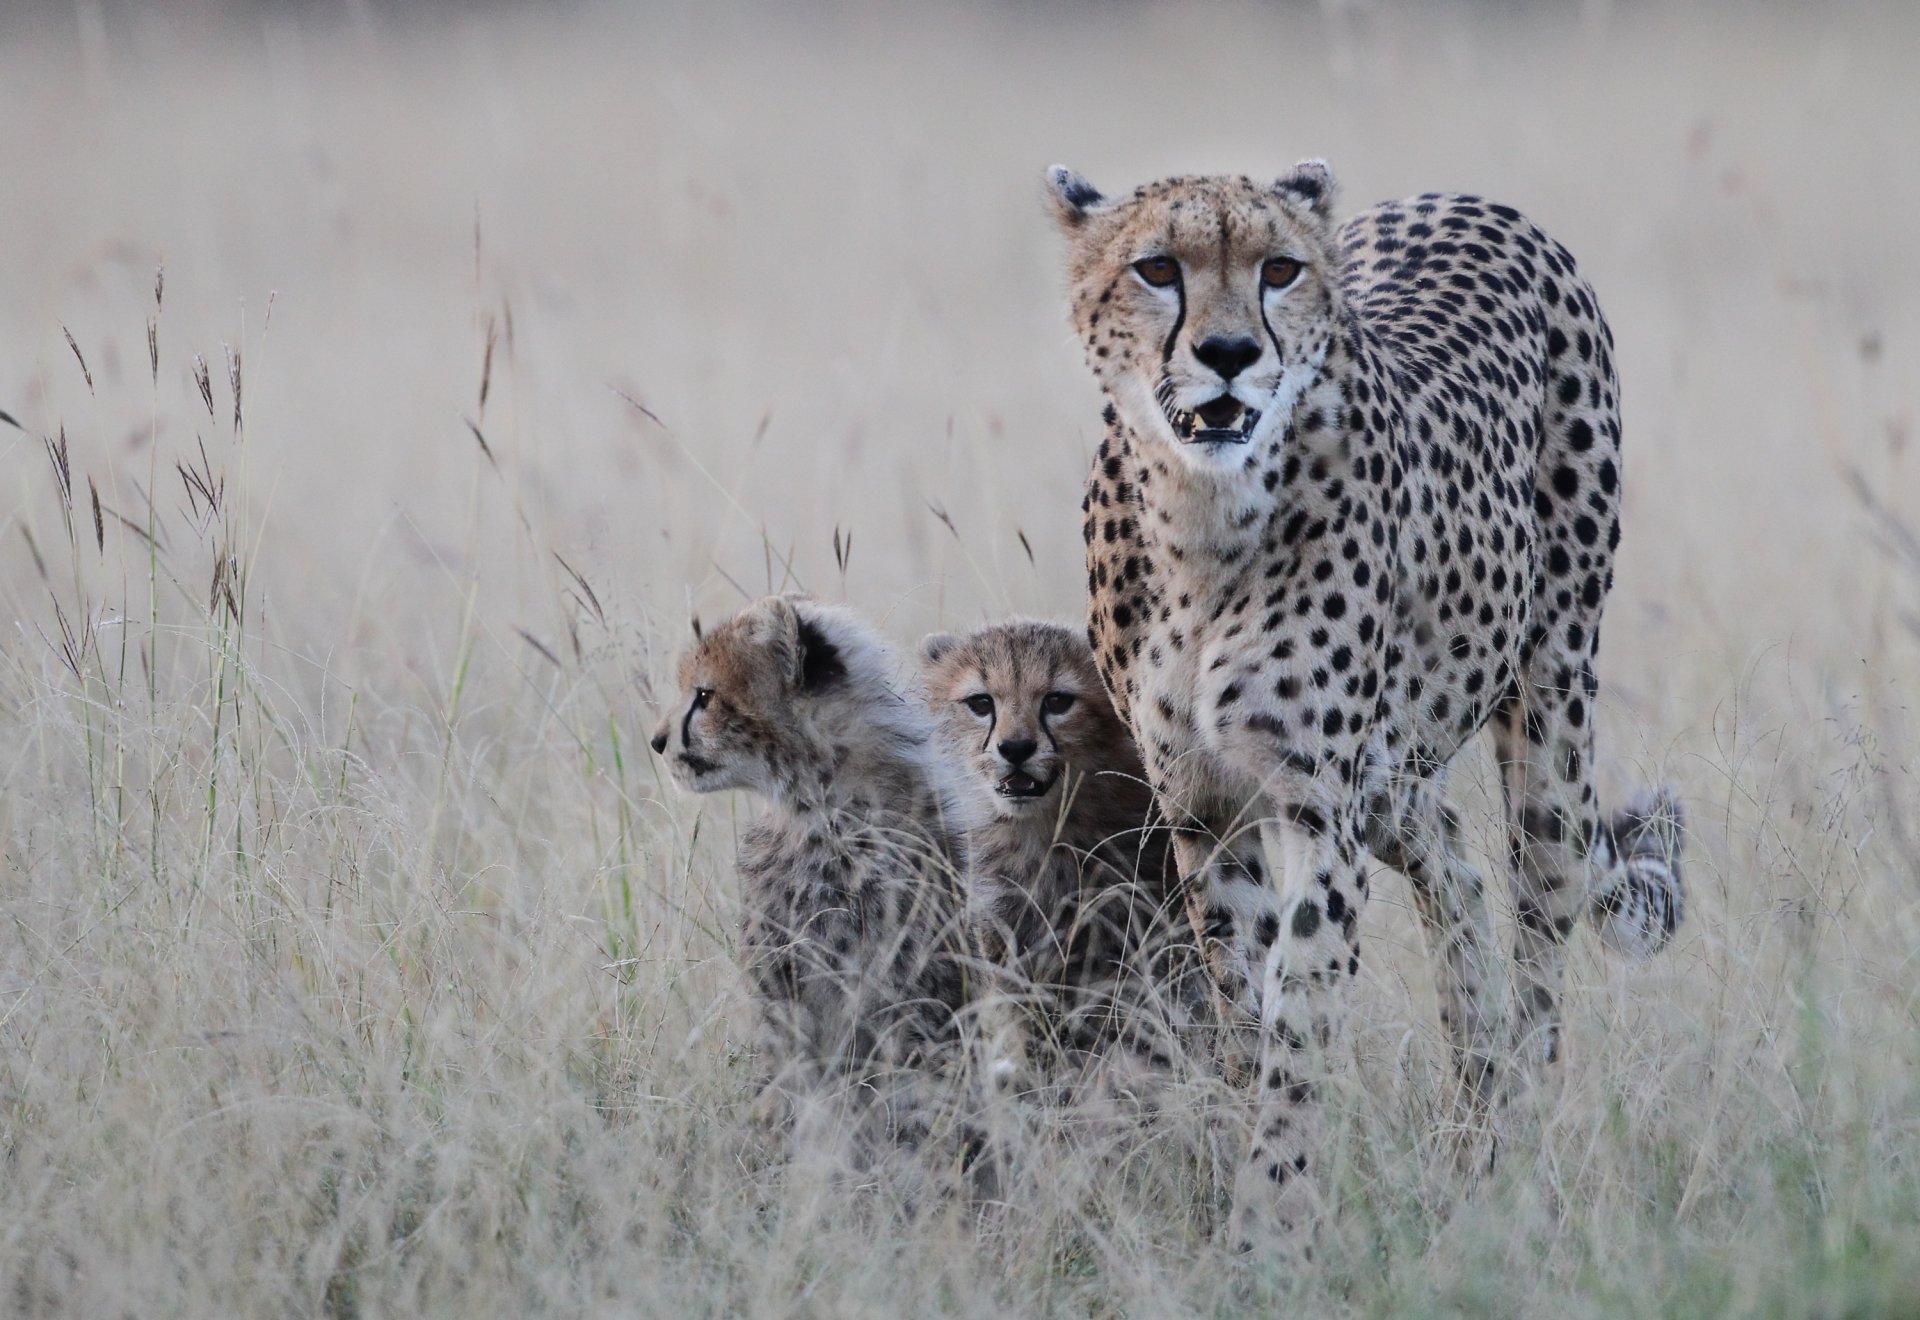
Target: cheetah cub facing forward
[[854, 934], [1071, 881]]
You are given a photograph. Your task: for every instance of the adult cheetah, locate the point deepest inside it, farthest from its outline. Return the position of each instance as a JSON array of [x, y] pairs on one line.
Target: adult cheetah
[[1358, 498], [854, 933]]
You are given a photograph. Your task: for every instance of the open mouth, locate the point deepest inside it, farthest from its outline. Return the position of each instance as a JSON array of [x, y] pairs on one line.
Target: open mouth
[[1022, 785], [1224, 420]]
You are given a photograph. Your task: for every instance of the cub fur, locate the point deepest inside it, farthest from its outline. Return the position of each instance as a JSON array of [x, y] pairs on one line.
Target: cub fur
[[1071, 878], [854, 933]]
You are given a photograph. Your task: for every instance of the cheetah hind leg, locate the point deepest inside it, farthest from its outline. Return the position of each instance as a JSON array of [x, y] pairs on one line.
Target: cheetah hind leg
[[1624, 873], [1544, 745]]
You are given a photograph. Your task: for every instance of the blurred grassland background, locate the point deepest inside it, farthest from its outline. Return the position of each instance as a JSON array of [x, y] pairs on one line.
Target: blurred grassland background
[[354, 958]]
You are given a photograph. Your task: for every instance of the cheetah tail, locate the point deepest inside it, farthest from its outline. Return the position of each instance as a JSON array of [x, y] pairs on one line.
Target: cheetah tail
[[1642, 898]]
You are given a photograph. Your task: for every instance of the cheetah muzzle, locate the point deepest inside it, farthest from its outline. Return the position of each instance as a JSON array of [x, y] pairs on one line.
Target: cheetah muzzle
[[1224, 420], [1023, 787]]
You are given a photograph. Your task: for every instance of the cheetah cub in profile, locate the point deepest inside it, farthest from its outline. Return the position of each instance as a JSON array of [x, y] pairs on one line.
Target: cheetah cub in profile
[[1071, 880], [854, 934]]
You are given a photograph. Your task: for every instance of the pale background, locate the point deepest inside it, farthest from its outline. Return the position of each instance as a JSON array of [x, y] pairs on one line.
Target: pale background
[[356, 958]]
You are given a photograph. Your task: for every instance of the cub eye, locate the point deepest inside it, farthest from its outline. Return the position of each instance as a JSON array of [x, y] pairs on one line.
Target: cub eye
[[1279, 272], [1157, 271], [701, 696], [979, 703], [1056, 703]]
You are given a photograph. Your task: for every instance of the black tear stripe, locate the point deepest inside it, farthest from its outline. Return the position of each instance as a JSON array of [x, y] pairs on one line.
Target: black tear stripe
[[1280, 359], [1179, 320], [686, 724]]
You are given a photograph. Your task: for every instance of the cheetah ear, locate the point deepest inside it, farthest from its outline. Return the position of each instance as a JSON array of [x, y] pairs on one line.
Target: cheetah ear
[[805, 657], [1072, 197], [1310, 184], [775, 624], [821, 665], [935, 645]]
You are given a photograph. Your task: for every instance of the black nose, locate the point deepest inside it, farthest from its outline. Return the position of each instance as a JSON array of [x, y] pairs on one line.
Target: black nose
[[1228, 355], [660, 742], [1017, 750]]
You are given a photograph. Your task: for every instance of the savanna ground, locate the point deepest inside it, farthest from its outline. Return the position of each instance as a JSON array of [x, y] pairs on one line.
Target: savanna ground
[[355, 957]]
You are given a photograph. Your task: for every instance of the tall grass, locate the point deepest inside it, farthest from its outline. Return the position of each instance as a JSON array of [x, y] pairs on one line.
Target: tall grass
[[355, 958]]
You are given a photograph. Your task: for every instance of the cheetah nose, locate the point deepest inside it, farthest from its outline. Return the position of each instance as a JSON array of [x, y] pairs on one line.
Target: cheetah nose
[[660, 740], [1017, 750], [1228, 354]]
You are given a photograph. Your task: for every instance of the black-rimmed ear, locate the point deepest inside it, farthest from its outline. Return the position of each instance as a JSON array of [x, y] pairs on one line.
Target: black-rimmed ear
[[820, 663], [1072, 197], [1310, 183], [936, 645]]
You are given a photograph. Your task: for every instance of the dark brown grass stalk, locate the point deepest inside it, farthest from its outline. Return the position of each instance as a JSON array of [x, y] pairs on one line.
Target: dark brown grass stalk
[[78, 357]]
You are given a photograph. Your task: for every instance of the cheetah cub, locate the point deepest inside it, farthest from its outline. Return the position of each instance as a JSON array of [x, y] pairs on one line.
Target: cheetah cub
[[854, 934], [1071, 882]]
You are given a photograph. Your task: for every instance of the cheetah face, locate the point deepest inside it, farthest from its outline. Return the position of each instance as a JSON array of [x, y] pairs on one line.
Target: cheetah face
[[1205, 304], [1020, 707], [709, 737], [742, 689]]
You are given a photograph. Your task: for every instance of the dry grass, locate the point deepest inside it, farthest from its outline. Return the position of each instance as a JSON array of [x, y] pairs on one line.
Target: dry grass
[[354, 958]]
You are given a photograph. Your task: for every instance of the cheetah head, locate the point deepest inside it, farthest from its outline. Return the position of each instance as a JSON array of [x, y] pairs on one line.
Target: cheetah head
[[1020, 705], [1205, 303], [749, 693]]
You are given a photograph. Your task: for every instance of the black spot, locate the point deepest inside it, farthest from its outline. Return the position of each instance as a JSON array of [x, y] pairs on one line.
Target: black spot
[[1336, 906], [1306, 919]]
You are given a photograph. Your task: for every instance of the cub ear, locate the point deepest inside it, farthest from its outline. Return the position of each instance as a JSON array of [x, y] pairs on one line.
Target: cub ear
[[1310, 183], [1073, 199], [821, 665], [803, 655], [775, 624], [935, 645]]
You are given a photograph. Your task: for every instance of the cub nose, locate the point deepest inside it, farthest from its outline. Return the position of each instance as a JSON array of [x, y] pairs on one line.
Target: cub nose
[[1017, 750], [660, 739], [1228, 354]]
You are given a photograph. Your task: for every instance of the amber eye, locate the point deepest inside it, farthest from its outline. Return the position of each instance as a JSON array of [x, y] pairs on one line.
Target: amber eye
[[1056, 703], [1279, 272], [979, 703], [1157, 271]]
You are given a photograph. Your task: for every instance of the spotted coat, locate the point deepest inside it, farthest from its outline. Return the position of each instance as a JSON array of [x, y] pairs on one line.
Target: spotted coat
[[1358, 499]]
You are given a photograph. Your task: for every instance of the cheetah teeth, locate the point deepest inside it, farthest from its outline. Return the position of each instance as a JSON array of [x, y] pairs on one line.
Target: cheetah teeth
[[1021, 785], [1188, 427]]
